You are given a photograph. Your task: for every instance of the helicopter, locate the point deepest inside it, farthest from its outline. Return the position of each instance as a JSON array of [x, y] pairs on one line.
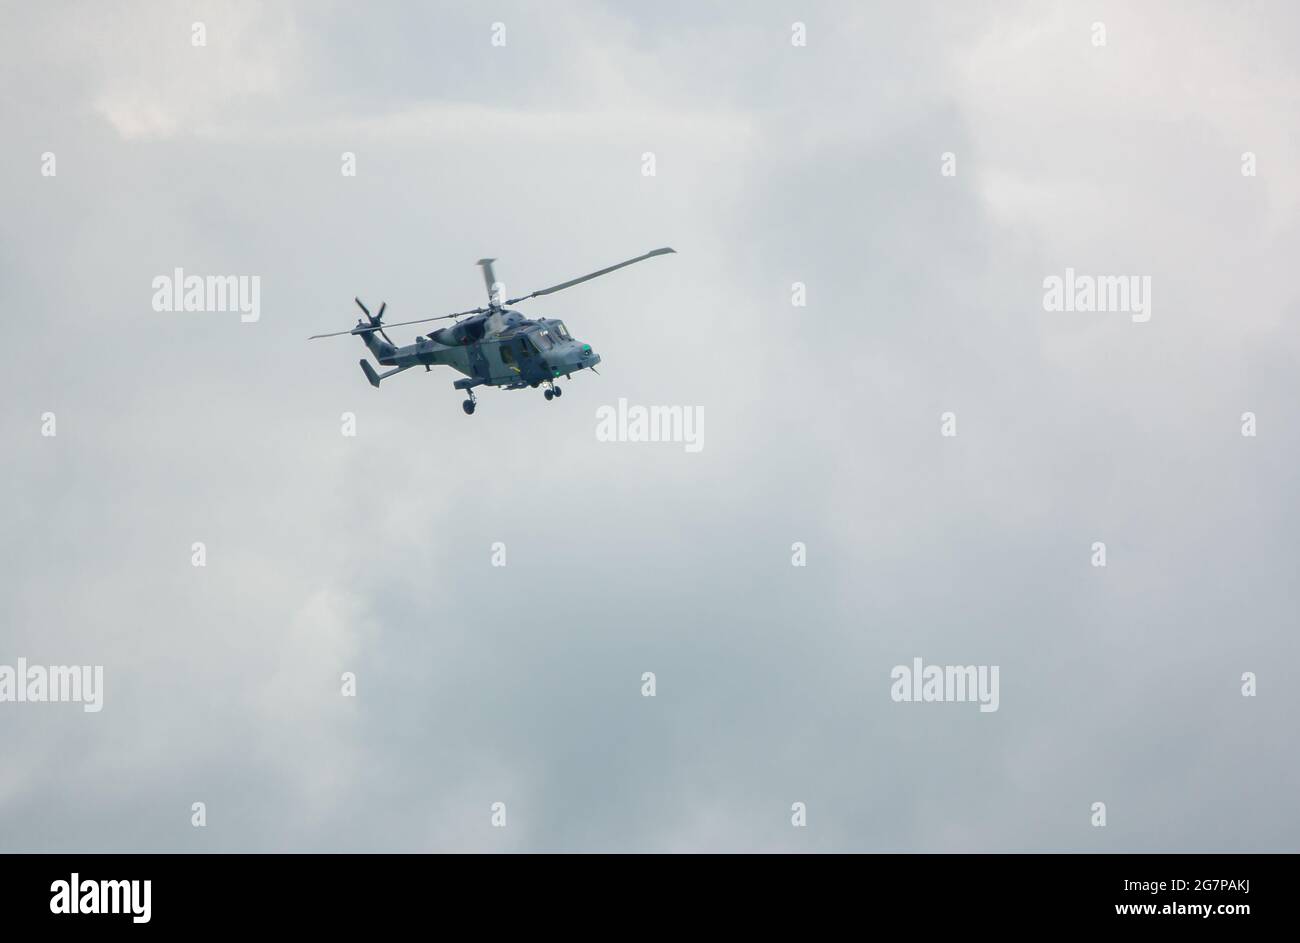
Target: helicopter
[[493, 346]]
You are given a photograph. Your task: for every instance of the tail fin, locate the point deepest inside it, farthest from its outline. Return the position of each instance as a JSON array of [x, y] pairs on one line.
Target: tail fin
[[369, 371], [379, 346]]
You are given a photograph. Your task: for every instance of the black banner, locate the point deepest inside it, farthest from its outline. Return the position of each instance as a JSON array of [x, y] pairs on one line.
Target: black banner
[[172, 892]]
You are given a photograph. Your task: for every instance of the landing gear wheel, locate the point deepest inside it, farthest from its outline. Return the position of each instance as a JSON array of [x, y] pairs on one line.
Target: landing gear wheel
[[549, 394], [557, 391], [468, 406]]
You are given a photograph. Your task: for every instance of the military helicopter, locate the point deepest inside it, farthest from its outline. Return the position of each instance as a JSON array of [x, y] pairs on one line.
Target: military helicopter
[[493, 346]]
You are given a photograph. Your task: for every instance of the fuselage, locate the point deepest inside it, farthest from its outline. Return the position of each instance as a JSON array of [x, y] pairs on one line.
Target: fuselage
[[499, 348]]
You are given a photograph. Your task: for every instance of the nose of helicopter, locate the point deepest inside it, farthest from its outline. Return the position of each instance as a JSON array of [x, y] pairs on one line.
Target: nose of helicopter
[[579, 356]]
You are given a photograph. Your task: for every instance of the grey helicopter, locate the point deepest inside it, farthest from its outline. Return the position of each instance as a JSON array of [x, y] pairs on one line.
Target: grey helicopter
[[492, 346]]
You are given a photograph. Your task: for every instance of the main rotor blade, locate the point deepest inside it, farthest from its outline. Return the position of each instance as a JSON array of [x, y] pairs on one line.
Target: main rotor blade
[[490, 278], [441, 317], [355, 330], [368, 329], [576, 281]]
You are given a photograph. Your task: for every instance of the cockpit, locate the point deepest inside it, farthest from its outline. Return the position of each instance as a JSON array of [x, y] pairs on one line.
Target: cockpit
[[544, 349], [549, 334]]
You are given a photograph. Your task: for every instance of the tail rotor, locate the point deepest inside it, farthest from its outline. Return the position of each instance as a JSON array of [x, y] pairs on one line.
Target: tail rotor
[[376, 320]]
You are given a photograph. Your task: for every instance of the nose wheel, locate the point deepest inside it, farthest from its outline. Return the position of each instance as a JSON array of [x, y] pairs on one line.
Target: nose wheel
[[551, 393]]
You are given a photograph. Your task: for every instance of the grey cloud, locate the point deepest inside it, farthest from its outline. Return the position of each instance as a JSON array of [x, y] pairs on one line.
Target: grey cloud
[[521, 684]]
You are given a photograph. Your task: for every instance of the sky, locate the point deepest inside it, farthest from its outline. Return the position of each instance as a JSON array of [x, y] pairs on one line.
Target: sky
[[920, 169]]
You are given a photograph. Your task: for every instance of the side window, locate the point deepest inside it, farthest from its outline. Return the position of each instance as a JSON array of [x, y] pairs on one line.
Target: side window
[[506, 355]]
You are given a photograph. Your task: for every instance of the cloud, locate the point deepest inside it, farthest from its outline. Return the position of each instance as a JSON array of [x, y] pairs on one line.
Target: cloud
[[521, 684]]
